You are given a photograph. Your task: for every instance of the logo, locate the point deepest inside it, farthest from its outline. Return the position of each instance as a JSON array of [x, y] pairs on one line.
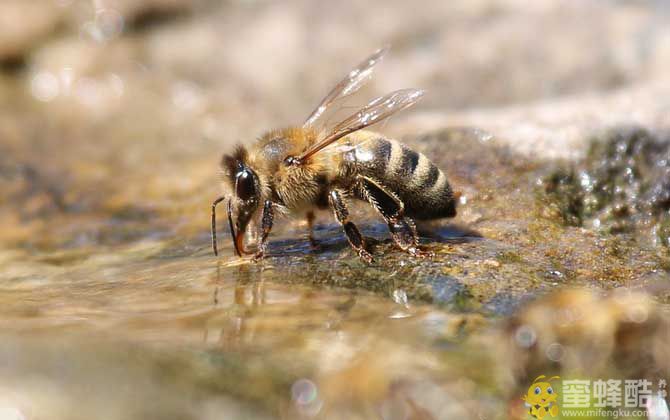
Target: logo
[[541, 398], [597, 398]]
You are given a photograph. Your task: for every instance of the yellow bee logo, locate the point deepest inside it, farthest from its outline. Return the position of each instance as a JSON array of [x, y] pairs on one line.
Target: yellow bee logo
[[541, 398]]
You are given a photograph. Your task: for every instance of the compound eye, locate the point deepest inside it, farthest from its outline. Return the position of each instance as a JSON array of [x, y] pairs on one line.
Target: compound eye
[[550, 391], [537, 390], [245, 187]]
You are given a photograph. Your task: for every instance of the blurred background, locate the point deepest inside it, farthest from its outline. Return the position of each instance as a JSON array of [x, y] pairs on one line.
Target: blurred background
[[126, 105], [113, 118]]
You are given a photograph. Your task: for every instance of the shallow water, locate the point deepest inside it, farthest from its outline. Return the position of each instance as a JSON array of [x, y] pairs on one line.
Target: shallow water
[[138, 312], [178, 318]]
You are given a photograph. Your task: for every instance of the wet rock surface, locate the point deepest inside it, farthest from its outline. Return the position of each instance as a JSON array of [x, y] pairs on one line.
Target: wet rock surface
[[622, 186], [112, 122]]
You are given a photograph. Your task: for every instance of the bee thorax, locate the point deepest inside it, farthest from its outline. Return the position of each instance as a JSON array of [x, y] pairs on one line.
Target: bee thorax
[[299, 188]]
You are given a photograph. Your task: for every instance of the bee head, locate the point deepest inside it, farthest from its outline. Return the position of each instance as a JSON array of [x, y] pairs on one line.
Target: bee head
[[245, 195]]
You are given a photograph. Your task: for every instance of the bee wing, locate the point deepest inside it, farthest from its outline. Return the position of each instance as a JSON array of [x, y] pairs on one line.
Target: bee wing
[[356, 78], [377, 110]]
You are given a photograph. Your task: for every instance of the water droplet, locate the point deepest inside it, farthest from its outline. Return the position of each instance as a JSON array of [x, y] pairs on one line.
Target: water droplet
[[637, 314], [304, 391], [44, 86], [117, 84], [400, 297], [525, 336], [67, 79], [305, 395], [657, 408], [87, 91], [90, 31], [109, 22], [187, 96], [585, 180], [11, 413], [555, 352], [400, 315]]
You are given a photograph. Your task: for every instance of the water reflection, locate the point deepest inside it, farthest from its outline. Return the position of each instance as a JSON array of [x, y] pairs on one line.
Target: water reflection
[[262, 333], [249, 293], [336, 352]]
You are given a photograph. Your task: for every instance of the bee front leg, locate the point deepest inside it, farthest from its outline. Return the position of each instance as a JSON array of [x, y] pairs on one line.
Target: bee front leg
[[392, 209], [267, 218], [353, 234]]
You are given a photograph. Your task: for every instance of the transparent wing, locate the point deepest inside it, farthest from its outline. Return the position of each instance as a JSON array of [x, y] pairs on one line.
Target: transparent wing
[[356, 78], [377, 110]]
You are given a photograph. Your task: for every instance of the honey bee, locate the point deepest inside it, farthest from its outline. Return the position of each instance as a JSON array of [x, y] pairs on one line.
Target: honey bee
[[298, 170]]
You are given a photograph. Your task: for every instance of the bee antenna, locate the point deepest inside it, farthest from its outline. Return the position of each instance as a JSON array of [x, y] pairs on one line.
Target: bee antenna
[[217, 201]]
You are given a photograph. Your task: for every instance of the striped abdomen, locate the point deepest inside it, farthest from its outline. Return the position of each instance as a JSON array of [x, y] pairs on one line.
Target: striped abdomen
[[421, 185]]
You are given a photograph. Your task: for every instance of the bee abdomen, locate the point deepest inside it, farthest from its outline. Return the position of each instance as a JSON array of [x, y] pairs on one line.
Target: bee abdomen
[[421, 185]]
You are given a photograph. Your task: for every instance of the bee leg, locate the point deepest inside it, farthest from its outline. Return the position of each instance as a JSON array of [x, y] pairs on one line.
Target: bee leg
[[310, 231], [392, 209], [267, 219], [353, 234]]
